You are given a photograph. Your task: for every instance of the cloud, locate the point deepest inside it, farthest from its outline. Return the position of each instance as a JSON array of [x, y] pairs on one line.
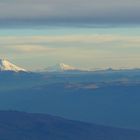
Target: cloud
[[70, 11], [31, 49], [99, 50], [24, 49], [57, 40], [84, 45]]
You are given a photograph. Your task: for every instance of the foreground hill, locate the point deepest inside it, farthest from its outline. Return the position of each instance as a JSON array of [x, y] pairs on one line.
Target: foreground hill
[[26, 126]]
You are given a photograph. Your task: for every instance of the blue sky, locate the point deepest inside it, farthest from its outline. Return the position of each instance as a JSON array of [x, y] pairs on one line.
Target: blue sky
[[84, 33]]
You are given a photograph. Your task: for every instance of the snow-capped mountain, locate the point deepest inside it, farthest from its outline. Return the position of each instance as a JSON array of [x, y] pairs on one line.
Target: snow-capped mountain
[[5, 65], [62, 67]]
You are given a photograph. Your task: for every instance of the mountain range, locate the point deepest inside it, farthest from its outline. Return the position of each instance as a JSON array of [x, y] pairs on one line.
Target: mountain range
[[6, 65], [102, 97]]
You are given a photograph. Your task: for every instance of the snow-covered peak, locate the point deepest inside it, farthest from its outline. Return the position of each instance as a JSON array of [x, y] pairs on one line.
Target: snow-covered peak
[[61, 67], [5, 65]]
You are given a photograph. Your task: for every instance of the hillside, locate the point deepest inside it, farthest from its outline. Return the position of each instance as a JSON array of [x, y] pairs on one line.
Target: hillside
[[26, 126]]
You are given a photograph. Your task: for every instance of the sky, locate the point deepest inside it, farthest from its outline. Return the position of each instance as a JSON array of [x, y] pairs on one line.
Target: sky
[[90, 34]]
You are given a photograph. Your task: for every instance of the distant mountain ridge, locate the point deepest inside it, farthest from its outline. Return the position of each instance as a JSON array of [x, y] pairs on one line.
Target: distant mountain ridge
[[5, 65]]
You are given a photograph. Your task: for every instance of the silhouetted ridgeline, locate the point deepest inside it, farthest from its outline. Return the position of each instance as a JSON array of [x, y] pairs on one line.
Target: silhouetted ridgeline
[[25, 126]]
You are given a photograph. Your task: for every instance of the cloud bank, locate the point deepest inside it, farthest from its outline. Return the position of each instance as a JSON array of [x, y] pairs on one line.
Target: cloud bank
[[95, 50], [70, 11], [52, 44]]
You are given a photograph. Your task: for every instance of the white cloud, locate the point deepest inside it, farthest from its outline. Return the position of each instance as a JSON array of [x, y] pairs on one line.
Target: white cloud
[[95, 50], [24, 49], [44, 42]]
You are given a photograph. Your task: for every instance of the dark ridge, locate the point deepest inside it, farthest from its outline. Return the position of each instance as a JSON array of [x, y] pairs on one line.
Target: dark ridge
[[27, 126]]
